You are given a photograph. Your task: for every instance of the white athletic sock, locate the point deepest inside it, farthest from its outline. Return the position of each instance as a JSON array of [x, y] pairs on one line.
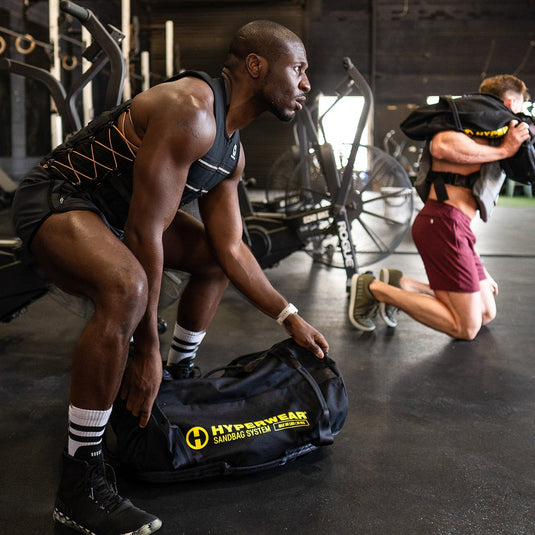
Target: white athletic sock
[[184, 345], [86, 428]]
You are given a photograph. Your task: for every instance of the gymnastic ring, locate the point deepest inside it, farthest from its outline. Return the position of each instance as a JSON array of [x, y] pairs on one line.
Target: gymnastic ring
[[2, 45], [69, 66], [19, 40]]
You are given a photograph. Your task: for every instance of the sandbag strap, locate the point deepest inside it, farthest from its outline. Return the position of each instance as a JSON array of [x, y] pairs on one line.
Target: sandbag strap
[[440, 178], [324, 423], [454, 112]]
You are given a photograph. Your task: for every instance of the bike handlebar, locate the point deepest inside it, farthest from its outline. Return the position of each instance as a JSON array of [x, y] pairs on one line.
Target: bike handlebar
[[104, 49], [359, 80], [108, 40], [362, 85], [79, 12]]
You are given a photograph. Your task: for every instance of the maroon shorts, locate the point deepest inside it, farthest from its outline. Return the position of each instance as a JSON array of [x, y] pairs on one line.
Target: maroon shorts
[[445, 241]]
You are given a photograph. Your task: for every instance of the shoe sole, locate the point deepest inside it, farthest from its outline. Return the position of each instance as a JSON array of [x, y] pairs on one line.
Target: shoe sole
[[353, 295], [147, 529], [384, 277]]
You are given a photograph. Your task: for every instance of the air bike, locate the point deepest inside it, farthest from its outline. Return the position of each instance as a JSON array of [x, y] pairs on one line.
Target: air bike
[[344, 212]]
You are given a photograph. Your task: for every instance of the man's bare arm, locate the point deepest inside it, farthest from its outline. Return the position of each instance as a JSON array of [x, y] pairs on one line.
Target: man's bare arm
[[459, 148], [178, 130], [222, 218], [175, 129]]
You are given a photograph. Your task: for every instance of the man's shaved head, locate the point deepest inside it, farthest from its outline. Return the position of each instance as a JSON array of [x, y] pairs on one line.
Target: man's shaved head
[[263, 37]]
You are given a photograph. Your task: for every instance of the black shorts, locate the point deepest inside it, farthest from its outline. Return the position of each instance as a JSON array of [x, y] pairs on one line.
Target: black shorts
[[38, 196]]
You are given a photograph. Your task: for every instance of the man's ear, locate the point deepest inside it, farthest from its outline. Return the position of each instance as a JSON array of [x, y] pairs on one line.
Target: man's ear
[[509, 103], [514, 103], [255, 65]]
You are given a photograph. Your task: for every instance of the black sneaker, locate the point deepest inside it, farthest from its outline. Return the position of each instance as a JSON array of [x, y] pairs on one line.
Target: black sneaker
[[183, 369], [87, 501]]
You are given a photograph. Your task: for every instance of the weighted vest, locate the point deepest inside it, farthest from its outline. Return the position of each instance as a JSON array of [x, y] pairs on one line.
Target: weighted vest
[[99, 160]]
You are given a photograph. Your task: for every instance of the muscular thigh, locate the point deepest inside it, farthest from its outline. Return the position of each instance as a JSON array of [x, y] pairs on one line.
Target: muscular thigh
[[185, 245], [465, 307], [79, 253], [470, 310]]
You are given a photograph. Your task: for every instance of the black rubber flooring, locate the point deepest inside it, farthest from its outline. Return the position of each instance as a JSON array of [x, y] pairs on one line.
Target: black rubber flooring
[[439, 439]]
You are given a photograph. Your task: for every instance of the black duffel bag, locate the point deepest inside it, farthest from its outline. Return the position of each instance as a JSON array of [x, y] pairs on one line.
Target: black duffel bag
[[260, 411]]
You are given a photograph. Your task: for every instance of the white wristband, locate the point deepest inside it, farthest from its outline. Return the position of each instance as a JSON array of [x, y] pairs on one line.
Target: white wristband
[[288, 310]]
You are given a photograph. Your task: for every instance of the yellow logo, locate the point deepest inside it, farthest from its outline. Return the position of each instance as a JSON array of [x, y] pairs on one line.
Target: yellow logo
[[197, 438], [487, 133]]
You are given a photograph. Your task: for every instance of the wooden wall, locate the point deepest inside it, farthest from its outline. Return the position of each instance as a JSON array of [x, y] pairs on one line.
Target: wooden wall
[[407, 49]]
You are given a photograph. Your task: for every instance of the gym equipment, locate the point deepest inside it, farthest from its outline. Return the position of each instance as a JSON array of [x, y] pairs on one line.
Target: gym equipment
[[343, 217], [324, 210], [103, 50], [20, 282]]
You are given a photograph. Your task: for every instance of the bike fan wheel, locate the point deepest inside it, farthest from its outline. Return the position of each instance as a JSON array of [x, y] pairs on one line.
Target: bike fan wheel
[[279, 176], [379, 207]]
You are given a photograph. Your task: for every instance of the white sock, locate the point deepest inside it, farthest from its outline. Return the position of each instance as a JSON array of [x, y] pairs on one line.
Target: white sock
[[86, 428], [184, 345]]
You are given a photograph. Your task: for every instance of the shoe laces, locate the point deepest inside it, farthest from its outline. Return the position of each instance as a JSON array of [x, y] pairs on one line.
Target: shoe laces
[[103, 487]]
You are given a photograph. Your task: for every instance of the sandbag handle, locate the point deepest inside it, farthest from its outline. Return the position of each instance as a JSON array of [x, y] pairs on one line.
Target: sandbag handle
[[455, 112], [324, 424], [222, 369]]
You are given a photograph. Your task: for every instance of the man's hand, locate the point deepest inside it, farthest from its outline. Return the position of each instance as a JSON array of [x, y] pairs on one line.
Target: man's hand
[[306, 335], [517, 133], [140, 385], [492, 282]]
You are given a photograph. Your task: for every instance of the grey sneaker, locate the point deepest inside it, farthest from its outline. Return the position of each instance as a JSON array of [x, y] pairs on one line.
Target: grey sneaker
[[386, 311], [87, 501], [362, 304]]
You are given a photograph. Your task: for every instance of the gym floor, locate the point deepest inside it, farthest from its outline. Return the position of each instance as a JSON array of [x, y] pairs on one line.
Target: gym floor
[[439, 438]]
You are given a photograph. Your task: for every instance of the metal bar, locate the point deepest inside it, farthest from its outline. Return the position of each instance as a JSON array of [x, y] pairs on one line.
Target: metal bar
[[169, 48], [125, 26], [87, 91], [145, 70], [56, 126], [47, 46]]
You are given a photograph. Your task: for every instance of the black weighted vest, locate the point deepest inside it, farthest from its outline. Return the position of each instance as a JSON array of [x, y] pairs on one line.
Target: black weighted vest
[[98, 160]]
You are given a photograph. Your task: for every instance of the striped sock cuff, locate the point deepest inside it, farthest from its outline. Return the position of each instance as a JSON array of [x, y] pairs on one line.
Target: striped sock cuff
[[86, 427], [184, 345]]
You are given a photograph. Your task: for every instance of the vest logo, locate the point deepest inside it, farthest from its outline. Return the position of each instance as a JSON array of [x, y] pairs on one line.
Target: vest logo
[[234, 151]]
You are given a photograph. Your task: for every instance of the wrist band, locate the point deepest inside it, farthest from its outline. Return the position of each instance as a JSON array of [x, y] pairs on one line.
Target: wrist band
[[288, 310]]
